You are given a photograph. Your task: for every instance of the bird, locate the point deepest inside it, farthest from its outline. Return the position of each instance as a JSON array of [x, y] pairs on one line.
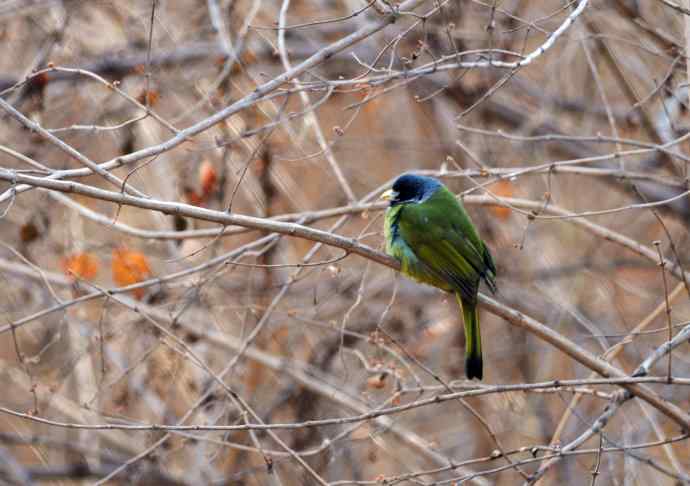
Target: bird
[[429, 232]]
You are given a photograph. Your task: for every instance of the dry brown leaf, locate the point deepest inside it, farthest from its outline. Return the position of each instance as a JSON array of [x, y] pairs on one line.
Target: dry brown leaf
[[377, 381], [28, 232]]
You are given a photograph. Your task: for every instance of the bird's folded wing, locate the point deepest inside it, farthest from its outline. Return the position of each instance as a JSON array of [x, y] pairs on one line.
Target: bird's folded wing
[[443, 248], [444, 260]]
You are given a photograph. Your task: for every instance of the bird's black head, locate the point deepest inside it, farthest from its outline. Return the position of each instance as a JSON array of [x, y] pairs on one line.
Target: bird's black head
[[412, 188]]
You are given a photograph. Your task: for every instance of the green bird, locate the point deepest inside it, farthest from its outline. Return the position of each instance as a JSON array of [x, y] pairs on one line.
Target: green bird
[[429, 232]]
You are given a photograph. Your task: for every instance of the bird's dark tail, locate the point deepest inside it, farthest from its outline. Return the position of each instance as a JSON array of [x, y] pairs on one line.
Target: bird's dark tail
[[473, 340]]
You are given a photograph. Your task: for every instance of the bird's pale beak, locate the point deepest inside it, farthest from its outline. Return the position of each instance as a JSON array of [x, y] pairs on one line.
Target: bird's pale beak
[[389, 195]]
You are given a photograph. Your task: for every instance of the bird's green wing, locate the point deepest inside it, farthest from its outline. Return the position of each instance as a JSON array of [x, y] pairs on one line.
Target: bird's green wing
[[410, 264], [440, 233]]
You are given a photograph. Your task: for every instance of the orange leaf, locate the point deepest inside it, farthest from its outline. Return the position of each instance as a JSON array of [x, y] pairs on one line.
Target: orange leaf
[[80, 266], [130, 267], [502, 188], [207, 178], [148, 98], [192, 197]]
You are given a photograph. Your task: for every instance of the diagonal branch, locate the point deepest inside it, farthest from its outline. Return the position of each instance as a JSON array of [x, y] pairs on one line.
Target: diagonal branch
[[351, 245]]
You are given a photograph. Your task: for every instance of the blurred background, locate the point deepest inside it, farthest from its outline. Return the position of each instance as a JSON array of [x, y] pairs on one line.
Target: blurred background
[[595, 126]]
